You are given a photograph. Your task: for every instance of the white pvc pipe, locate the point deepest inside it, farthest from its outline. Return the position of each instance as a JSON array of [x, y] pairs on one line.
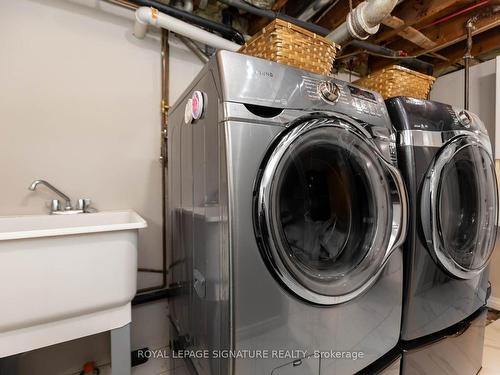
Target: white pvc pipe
[[145, 16], [363, 21], [376, 10]]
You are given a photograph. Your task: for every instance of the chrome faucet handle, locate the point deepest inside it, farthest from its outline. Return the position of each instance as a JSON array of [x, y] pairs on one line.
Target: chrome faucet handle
[[55, 205], [85, 205]]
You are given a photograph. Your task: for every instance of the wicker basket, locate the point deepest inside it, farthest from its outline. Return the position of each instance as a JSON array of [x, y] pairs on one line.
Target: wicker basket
[[398, 81], [285, 43]]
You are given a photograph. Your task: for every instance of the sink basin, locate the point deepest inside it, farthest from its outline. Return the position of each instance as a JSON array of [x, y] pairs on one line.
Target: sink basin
[[65, 277]]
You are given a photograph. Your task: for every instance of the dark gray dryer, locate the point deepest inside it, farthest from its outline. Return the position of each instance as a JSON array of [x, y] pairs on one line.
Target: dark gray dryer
[[446, 160]]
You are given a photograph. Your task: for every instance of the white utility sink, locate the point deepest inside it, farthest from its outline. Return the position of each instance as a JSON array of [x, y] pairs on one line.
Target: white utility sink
[[65, 276]]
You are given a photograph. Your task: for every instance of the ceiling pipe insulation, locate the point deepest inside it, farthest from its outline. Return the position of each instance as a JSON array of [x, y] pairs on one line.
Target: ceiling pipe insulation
[[145, 16]]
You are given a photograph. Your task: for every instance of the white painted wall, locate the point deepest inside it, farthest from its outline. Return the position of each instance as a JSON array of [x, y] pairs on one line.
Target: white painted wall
[[79, 106]]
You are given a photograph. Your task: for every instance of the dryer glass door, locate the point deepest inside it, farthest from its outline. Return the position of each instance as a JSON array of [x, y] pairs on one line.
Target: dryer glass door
[[459, 207], [326, 210]]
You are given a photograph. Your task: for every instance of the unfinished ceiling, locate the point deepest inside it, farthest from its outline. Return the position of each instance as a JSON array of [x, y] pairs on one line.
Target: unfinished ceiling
[[433, 30]]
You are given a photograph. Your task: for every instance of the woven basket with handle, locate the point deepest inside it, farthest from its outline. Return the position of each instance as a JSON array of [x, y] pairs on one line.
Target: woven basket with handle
[[398, 81], [289, 44]]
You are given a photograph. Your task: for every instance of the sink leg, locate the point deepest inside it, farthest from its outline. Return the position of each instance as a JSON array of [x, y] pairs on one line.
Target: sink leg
[[120, 351]]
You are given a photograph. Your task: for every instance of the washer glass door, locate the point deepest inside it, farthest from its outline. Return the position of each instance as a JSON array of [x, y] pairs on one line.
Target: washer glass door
[[459, 207], [325, 211]]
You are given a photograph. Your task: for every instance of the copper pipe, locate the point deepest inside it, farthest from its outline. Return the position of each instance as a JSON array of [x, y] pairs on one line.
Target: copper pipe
[[164, 109], [165, 52]]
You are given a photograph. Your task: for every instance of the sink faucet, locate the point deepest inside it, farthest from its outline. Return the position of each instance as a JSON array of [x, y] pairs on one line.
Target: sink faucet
[[67, 199], [83, 205]]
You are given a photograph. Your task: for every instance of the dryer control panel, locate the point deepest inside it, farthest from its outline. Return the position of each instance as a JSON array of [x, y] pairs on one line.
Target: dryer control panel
[[417, 114]]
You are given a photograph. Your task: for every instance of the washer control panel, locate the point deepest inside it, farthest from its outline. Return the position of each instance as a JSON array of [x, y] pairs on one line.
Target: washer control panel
[[345, 98]]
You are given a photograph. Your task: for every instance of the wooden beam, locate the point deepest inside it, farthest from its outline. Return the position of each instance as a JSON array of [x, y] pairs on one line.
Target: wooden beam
[[482, 44], [454, 32], [257, 23], [489, 25], [337, 15], [420, 12], [279, 4], [408, 32]]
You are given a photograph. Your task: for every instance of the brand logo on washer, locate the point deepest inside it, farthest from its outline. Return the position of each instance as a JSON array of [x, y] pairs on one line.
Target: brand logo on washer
[[264, 74]]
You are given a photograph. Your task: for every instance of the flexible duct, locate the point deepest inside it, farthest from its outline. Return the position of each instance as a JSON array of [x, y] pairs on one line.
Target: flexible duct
[[363, 21], [145, 16]]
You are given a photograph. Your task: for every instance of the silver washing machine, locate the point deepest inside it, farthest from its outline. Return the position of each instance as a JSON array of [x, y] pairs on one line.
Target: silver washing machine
[[286, 216]]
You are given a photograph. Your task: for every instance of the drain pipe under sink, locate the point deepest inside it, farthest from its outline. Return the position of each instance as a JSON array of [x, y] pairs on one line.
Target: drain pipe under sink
[[145, 16], [363, 21]]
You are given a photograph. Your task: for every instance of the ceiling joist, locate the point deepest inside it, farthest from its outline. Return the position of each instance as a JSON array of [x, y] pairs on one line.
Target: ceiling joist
[[408, 32], [483, 44], [419, 13], [432, 30]]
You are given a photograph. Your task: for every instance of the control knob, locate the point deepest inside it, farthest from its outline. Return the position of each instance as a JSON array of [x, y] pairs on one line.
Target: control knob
[[464, 118], [329, 91]]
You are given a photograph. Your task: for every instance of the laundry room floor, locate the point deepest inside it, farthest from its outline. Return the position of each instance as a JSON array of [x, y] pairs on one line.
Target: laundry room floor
[[491, 354]]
